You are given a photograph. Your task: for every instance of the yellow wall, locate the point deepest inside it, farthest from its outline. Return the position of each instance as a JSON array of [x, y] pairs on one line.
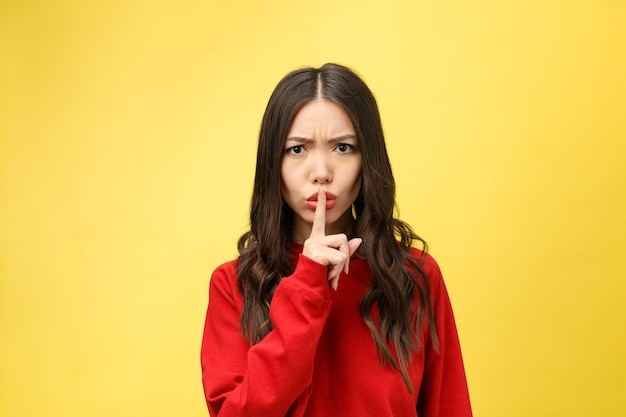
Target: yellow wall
[[128, 134]]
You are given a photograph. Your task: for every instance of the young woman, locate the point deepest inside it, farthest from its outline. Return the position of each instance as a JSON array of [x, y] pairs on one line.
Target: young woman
[[329, 310]]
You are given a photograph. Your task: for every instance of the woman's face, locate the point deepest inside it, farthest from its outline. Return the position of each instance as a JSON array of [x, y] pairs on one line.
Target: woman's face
[[321, 149]]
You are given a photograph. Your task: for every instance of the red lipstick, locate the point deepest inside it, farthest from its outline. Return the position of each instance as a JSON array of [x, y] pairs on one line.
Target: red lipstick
[[331, 201]]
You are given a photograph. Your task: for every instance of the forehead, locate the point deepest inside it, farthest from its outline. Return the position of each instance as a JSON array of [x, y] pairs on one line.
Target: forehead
[[321, 117]]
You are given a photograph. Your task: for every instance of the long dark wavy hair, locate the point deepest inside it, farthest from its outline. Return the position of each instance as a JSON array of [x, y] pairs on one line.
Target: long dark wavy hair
[[264, 257]]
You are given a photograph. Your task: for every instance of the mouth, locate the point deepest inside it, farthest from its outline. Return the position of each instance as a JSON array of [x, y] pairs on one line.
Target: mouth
[[331, 201]]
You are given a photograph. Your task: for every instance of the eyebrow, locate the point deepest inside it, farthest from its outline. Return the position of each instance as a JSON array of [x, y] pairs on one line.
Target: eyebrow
[[300, 139]]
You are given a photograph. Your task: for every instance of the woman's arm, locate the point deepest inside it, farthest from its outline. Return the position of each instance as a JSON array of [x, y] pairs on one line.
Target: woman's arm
[[272, 377]]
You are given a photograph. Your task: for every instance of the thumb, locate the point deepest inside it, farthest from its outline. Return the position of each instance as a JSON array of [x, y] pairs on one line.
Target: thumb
[[353, 244]]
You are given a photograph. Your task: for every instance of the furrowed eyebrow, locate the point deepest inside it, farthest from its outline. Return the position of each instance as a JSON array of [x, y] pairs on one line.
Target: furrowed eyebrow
[[299, 139], [342, 138]]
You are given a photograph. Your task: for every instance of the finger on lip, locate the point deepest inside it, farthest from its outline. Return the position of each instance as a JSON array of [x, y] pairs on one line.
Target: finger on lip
[[320, 209], [316, 196], [319, 220], [321, 196]]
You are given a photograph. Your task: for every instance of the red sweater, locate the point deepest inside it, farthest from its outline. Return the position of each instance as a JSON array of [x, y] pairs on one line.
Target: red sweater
[[320, 360]]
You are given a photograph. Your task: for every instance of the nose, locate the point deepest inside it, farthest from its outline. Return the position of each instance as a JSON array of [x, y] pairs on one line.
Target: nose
[[321, 170]]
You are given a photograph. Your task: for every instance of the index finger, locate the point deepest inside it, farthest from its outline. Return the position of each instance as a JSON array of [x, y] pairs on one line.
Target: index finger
[[319, 221]]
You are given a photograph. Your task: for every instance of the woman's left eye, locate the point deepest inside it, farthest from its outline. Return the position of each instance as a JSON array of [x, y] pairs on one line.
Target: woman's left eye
[[344, 147]]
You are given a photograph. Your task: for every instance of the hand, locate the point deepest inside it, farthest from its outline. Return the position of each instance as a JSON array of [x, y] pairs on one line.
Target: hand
[[332, 250]]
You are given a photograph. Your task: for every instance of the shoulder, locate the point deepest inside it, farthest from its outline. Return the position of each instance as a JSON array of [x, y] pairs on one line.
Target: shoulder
[[224, 278], [428, 264], [226, 269]]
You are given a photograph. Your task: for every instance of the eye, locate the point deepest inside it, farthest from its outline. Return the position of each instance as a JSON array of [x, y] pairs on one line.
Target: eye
[[295, 150], [345, 148]]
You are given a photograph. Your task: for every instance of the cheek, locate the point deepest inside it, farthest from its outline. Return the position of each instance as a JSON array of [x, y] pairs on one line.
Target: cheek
[[357, 186], [358, 176], [286, 180]]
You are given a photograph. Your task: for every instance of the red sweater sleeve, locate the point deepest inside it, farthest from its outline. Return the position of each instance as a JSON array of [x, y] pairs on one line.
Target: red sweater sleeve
[[444, 391], [272, 377]]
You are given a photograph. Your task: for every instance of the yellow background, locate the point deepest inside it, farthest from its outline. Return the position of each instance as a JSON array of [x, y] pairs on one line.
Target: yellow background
[[128, 139]]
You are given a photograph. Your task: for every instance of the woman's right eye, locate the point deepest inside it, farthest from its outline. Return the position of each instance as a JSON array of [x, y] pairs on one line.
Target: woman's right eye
[[295, 150]]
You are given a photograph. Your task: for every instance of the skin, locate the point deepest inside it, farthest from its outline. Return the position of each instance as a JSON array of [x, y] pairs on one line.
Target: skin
[[321, 155]]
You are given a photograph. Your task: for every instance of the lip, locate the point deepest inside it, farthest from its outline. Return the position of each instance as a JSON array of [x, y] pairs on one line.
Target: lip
[[329, 196], [331, 201]]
